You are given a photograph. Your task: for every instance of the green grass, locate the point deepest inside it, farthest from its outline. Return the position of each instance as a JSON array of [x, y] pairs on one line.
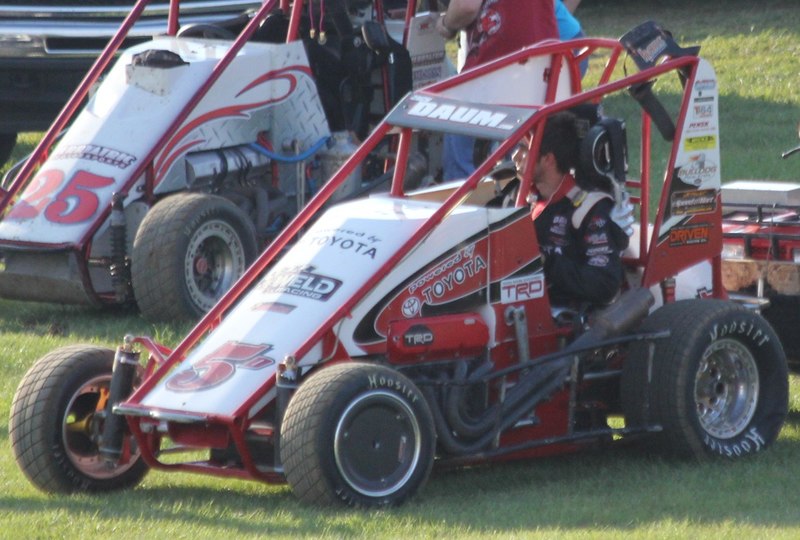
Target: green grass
[[754, 47]]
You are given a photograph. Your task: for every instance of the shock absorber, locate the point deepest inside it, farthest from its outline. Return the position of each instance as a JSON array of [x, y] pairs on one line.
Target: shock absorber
[[123, 376], [286, 383], [120, 273]]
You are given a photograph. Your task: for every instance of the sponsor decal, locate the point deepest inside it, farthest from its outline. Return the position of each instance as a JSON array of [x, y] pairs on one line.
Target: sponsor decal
[[700, 125], [522, 288], [411, 307], [698, 201], [598, 250], [653, 50], [596, 238], [461, 114], [697, 171], [705, 292], [689, 235], [703, 110], [752, 442], [599, 261], [358, 245], [446, 276], [418, 336], [705, 85], [300, 282], [94, 152], [701, 142], [387, 381], [740, 328]]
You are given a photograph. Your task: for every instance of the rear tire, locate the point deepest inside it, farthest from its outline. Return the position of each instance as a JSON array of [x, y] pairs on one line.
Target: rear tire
[[54, 426], [189, 250], [719, 384], [358, 434]]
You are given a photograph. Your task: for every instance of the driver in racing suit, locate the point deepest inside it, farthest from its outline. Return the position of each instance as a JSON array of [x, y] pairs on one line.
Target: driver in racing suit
[[580, 242]]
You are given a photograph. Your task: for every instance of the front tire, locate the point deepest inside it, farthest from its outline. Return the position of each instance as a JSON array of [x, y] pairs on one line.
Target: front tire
[[718, 385], [358, 434], [54, 424], [189, 250]]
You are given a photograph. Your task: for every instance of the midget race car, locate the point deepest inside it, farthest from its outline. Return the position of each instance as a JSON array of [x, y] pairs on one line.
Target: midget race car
[[379, 337], [198, 146]]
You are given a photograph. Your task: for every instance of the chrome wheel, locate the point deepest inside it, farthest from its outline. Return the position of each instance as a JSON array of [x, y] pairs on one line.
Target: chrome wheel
[[726, 389]]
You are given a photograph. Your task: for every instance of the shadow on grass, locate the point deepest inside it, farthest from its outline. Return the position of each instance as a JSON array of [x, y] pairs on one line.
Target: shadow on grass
[[83, 323], [617, 489]]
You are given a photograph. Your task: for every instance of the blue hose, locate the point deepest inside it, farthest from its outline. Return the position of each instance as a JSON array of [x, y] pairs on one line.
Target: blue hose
[[291, 159]]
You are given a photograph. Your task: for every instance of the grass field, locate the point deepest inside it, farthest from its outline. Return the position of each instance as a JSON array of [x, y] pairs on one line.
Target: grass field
[[618, 492]]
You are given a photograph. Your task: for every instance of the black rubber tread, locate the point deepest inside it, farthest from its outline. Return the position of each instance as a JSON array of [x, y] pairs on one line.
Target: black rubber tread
[[307, 434], [666, 396], [159, 249], [35, 427]]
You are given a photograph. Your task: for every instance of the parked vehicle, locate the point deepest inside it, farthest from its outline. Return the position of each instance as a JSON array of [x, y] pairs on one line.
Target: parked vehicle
[[47, 46], [377, 338], [197, 148], [761, 224]]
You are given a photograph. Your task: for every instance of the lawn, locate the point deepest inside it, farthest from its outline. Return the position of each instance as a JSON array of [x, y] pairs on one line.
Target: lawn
[[619, 491]]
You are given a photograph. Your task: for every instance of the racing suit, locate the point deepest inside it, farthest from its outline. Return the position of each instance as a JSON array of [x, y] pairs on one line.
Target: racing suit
[[582, 246]]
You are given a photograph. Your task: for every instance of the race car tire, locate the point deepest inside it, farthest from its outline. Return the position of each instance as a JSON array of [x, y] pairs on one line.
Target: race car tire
[[54, 427], [717, 386], [189, 249], [358, 434]]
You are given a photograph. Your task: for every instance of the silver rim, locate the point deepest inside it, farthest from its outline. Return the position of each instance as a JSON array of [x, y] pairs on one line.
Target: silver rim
[[377, 444], [80, 429], [214, 261], [726, 389]]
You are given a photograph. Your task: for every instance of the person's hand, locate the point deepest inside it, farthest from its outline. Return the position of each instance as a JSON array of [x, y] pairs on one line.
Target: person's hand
[[442, 28]]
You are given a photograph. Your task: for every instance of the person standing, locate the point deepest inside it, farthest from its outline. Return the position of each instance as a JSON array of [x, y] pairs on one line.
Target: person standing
[[493, 28], [569, 27]]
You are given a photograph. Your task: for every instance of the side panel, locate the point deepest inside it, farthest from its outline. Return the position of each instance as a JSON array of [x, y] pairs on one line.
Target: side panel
[[321, 271], [689, 228], [132, 110]]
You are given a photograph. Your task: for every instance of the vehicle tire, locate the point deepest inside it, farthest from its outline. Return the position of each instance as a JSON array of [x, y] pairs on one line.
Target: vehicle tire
[[718, 386], [7, 143], [53, 427], [189, 249], [359, 434]]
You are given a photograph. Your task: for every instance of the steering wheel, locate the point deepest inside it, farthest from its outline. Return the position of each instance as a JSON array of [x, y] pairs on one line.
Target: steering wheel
[[206, 30]]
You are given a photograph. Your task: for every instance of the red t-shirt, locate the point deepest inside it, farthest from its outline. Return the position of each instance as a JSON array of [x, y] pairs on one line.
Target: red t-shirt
[[505, 26]]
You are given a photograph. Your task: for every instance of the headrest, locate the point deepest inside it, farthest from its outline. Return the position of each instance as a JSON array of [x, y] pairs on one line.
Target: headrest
[[603, 156]]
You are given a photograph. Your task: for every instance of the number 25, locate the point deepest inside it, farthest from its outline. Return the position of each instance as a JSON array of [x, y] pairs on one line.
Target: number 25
[[76, 202]]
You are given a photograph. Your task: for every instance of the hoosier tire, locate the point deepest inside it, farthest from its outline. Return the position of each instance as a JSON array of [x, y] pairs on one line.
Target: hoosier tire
[[53, 425], [358, 434], [189, 249], [718, 386]]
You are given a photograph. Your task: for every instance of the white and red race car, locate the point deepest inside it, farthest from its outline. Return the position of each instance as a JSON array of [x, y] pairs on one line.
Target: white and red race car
[[377, 338], [198, 146]]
